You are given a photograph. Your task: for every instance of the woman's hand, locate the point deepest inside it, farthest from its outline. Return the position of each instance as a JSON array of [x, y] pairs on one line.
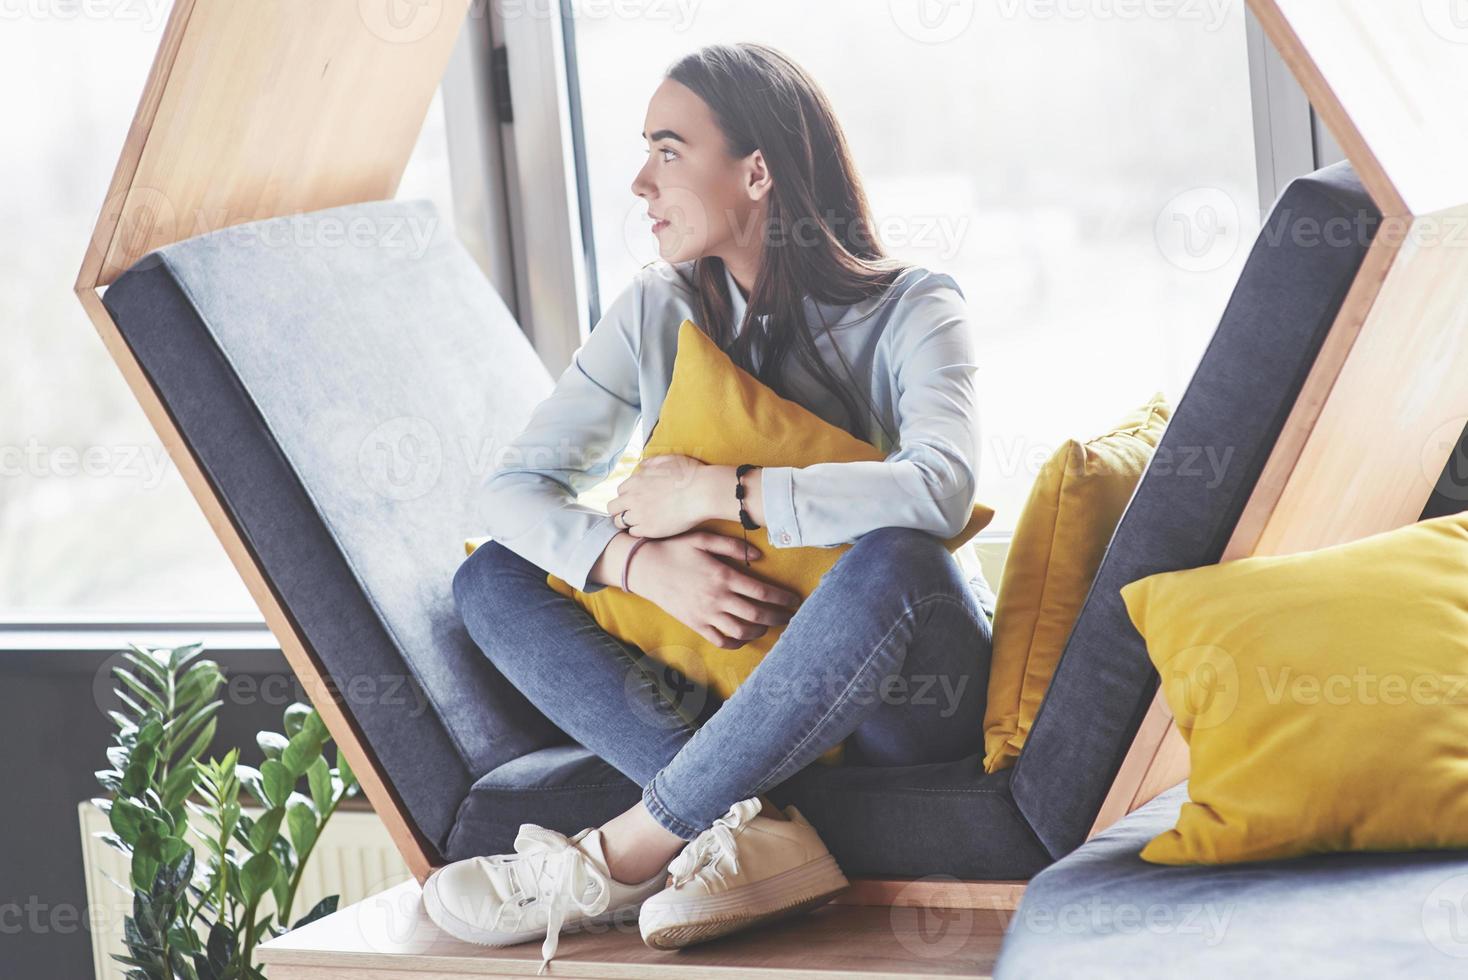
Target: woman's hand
[[666, 495], [698, 578]]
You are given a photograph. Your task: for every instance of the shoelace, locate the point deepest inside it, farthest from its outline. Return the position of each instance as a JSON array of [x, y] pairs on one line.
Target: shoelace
[[705, 851], [538, 851]]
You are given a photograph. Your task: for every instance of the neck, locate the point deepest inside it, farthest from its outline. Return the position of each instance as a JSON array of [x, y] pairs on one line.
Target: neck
[[744, 268]]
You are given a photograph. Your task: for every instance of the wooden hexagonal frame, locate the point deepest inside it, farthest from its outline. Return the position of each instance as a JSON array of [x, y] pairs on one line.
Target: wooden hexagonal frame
[[274, 108]]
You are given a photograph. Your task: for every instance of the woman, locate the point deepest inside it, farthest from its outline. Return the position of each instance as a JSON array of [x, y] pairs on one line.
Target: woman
[[766, 243]]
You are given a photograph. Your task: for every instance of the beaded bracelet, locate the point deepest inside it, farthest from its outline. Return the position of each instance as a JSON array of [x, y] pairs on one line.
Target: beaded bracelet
[[745, 521]]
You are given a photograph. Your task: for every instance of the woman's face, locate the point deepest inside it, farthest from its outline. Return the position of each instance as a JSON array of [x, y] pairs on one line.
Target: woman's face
[[701, 199]]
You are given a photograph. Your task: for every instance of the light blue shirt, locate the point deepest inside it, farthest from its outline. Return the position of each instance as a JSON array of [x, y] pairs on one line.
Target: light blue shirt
[[912, 356]]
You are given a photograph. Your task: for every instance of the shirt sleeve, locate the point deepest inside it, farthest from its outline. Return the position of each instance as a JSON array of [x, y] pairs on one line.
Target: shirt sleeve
[[931, 481], [574, 438]]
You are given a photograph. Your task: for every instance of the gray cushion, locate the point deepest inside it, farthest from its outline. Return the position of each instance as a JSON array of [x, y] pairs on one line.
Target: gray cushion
[[344, 396], [1103, 912], [1184, 509]]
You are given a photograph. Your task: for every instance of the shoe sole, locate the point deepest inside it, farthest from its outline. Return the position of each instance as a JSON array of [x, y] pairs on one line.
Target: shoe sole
[[813, 883], [469, 933]]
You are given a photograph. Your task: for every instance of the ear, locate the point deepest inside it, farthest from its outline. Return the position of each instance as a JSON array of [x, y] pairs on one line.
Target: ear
[[757, 179]]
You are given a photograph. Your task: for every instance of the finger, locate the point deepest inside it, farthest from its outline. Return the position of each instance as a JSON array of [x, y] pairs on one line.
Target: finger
[[723, 544], [761, 591], [737, 629], [718, 639], [756, 612], [713, 636]]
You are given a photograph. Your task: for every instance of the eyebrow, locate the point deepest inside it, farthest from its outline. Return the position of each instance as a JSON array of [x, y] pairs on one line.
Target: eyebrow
[[664, 134]]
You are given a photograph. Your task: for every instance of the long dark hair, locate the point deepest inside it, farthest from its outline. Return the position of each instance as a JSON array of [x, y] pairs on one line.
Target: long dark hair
[[820, 239]]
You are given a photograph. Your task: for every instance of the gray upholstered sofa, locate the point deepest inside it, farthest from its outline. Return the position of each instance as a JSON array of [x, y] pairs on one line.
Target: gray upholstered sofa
[[1102, 912], [344, 395]]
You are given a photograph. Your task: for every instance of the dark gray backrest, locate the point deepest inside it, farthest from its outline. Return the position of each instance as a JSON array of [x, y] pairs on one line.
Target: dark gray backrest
[[1188, 501], [344, 378]]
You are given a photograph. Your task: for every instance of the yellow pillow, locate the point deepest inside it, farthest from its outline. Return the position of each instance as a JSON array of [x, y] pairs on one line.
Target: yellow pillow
[[720, 414], [1323, 696], [1072, 512]]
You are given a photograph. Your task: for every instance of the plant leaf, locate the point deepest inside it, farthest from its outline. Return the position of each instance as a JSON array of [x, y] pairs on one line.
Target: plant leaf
[[272, 744], [265, 829], [257, 876], [277, 781], [301, 824], [294, 718], [146, 694], [318, 776], [127, 820], [304, 749], [343, 770], [320, 910], [178, 785]]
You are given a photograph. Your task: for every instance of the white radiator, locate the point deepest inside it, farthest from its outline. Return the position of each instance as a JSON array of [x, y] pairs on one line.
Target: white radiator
[[355, 858]]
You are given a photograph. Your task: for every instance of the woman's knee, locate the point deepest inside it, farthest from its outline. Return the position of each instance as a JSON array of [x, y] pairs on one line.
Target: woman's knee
[[921, 558], [485, 582]]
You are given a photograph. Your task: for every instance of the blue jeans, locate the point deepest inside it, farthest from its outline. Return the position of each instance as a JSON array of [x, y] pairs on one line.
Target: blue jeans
[[891, 651]]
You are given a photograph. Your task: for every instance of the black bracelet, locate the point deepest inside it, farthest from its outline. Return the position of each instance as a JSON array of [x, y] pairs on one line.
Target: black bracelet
[[745, 521]]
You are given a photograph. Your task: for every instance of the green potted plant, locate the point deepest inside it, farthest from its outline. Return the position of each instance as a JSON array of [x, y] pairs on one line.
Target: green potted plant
[[193, 919]]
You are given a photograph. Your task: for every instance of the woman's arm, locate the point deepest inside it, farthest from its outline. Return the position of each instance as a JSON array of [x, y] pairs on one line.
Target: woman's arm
[[931, 482], [573, 440]]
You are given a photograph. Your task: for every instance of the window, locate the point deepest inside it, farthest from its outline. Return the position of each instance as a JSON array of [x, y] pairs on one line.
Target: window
[[1086, 175], [95, 521]]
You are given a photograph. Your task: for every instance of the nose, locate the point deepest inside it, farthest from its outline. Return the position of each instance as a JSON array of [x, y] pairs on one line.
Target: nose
[[642, 186]]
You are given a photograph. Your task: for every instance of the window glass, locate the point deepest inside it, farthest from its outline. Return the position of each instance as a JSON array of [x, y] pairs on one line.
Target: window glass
[[1085, 171], [95, 521]]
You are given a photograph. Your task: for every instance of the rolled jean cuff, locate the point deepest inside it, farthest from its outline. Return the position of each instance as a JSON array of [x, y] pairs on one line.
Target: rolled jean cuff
[[670, 821]]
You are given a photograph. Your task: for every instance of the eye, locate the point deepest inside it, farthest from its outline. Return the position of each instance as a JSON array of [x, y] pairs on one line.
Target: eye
[[669, 154]]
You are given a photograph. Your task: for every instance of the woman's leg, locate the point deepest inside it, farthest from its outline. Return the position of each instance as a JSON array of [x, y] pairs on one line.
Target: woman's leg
[[891, 648], [606, 694]]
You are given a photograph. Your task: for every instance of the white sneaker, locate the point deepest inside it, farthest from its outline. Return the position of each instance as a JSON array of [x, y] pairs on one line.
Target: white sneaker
[[746, 869], [551, 883]]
